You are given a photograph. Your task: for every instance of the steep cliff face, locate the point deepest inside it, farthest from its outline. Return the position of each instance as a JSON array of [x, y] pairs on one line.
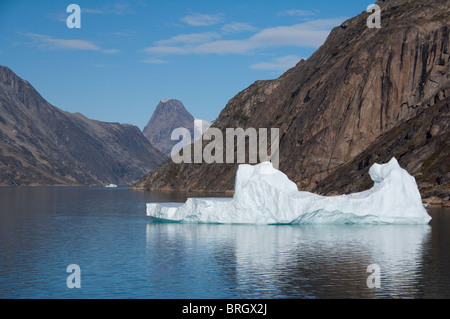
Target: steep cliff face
[[359, 85], [422, 145], [43, 145]]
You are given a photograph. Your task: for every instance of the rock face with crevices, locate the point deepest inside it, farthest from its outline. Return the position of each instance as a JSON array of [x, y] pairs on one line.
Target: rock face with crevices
[[373, 92]]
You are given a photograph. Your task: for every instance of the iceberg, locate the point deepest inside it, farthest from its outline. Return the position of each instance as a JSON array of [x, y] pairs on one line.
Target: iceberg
[[265, 195]]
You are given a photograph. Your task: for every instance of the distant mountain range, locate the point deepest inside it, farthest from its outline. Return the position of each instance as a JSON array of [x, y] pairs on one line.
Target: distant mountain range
[[42, 145], [169, 115], [364, 96]]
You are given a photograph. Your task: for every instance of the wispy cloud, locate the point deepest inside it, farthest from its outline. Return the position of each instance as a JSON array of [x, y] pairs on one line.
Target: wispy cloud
[[307, 34], [124, 33], [60, 16], [202, 20], [112, 9], [93, 11], [189, 38], [235, 27], [119, 8], [46, 42], [297, 13], [279, 64], [117, 36]]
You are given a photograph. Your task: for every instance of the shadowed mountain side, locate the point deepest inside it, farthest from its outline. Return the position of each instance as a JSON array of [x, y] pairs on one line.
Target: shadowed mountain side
[[43, 145]]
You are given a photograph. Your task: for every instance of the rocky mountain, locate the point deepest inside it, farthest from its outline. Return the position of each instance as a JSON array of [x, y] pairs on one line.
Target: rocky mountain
[[169, 115], [365, 95], [43, 145]]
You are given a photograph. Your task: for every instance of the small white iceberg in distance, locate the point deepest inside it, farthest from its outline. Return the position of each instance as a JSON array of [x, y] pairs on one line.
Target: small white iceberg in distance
[[111, 185], [265, 195]]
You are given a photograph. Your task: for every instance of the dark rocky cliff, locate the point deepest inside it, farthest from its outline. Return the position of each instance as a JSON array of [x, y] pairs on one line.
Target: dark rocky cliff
[[352, 101]]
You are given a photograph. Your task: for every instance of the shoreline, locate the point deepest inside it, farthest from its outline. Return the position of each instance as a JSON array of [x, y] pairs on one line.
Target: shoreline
[[429, 201]]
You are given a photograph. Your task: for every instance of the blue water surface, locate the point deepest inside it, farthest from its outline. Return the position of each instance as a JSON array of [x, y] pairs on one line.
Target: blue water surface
[[123, 254]]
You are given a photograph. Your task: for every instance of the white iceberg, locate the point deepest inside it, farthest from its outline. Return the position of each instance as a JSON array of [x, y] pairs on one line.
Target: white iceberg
[[264, 195], [111, 185]]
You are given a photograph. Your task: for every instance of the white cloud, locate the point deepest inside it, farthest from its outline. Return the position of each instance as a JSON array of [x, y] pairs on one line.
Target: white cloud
[[307, 34], [311, 34], [235, 27], [189, 38], [47, 42], [167, 49], [154, 61], [202, 20], [279, 64], [225, 47], [60, 16], [93, 11], [298, 13], [114, 9], [125, 33]]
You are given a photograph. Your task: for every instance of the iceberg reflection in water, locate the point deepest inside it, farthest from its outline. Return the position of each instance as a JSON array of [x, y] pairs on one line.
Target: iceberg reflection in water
[[307, 261], [264, 195]]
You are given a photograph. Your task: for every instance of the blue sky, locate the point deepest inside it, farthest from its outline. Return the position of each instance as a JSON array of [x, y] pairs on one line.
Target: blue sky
[[128, 55]]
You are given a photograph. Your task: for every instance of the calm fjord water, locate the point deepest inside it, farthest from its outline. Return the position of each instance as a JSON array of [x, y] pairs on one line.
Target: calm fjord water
[[122, 254]]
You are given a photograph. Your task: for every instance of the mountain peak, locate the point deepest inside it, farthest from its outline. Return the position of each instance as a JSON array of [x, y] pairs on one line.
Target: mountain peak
[[4, 68], [171, 106], [9, 78], [168, 115]]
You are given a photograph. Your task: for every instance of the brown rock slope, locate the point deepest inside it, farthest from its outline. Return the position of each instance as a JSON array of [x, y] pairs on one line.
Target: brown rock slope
[[43, 145], [358, 93]]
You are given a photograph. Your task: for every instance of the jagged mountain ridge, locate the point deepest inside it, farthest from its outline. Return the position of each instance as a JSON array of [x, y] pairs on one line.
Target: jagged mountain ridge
[[170, 114], [43, 145], [360, 84]]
